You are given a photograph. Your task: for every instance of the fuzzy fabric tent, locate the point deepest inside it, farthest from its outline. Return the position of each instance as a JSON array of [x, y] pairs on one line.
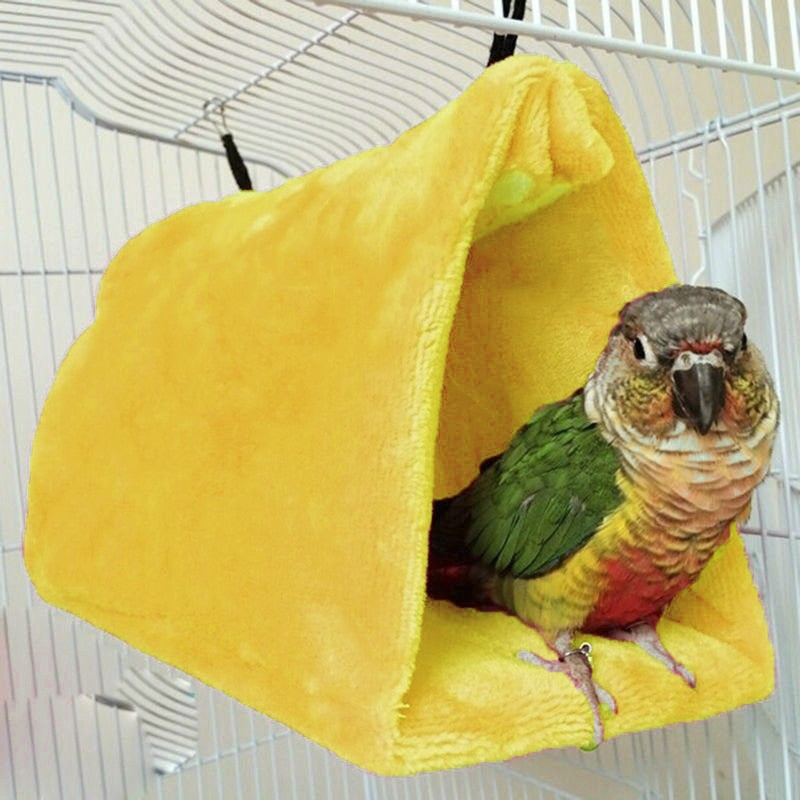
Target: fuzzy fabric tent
[[235, 466]]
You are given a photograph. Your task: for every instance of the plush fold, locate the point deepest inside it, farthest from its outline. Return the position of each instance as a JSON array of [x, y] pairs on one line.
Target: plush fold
[[234, 468]]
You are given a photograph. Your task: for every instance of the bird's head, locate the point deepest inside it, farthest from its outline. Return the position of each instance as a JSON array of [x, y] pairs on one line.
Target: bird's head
[[677, 356]]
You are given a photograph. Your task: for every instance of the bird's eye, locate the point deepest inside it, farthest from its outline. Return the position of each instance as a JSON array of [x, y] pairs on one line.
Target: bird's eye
[[743, 345], [643, 351]]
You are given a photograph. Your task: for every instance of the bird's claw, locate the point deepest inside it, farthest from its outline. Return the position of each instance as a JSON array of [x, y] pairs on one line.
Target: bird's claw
[[577, 666], [603, 696], [647, 638]]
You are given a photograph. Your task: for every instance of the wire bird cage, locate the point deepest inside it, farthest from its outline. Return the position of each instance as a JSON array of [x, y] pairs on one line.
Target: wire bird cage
[[107, 112]]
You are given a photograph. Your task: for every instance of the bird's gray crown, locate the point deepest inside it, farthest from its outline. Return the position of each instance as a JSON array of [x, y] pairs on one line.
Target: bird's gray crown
[[681, 314]]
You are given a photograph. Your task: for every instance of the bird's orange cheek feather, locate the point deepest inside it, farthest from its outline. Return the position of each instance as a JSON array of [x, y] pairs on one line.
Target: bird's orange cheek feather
[[734, 411], [654, 412], [663, 411]]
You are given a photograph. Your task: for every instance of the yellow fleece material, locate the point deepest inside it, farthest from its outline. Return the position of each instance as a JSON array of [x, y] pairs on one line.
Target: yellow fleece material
[[235, 466]]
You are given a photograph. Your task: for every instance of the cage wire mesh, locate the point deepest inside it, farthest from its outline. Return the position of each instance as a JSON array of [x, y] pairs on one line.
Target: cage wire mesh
[[104, 131]]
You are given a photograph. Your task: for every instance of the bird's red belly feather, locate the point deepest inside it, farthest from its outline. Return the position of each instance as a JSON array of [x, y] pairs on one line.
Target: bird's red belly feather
[[634, 590]]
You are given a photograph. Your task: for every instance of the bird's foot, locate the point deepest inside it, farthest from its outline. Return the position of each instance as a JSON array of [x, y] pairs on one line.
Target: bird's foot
[[644, 634], [577, 666]]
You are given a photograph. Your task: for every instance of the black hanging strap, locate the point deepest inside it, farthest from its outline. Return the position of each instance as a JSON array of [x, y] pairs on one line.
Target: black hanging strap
[[235, 160], [503, 44], [236, 163]]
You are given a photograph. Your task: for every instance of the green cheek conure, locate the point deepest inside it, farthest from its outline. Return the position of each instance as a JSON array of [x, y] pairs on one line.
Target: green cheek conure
[[608, 504]]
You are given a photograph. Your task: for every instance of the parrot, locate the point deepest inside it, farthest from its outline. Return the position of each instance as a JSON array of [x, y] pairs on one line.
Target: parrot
[[605, 505]]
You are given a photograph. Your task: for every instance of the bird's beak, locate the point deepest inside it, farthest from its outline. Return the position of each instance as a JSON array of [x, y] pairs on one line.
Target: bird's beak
[[698, 382]]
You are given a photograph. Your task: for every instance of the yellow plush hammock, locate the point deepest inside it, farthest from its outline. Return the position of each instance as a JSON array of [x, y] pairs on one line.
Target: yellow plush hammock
[[235, 466]]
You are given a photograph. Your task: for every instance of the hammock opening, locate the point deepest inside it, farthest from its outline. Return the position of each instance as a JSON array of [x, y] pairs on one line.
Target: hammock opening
[[533, 316]]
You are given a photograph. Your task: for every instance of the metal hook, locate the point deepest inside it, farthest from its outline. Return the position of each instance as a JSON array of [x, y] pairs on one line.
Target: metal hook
[[584, 650], [212, 105]]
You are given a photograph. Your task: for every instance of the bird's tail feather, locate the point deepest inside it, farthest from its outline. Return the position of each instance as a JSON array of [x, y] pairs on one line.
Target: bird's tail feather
[[453, 573]]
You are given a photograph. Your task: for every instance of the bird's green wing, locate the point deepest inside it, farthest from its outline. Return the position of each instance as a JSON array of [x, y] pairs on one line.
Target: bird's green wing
[[539, 501]]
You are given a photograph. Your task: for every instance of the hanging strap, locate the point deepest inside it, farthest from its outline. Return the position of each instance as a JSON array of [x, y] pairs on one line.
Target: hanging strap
[[504, 44], [235, 160]]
